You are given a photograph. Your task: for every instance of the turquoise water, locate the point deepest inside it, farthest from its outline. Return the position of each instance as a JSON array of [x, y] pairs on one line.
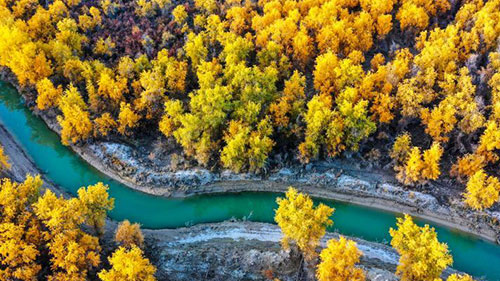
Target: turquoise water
[[62, 166]]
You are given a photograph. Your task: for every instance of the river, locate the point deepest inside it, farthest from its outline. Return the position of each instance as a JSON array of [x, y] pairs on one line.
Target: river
[[65, 168]]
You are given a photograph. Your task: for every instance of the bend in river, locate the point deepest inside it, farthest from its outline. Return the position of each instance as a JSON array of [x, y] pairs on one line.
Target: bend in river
[[65, 168]]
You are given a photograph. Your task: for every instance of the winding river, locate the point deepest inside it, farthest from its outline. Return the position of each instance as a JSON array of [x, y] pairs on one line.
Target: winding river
[[65, 168]]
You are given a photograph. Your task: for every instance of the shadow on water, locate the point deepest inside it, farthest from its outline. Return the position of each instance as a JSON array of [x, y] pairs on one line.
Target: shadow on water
[[66, 169]]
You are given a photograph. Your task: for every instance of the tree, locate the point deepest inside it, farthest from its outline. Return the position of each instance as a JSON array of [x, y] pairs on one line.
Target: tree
[[96, 204], [48, 95], [73, 254], [317, 118], [338, 261], [180, 14], [195, 49], [4, 160], [129, 235], [75, 121], [401, 149], [291, 103], [19, 232], [104, 124], [482, 191], [128, 265], [432, 156], [127, 119], [104, 46], [301, 222], [246, 147], [411, 172], [18, 256], [468, 165], [422, 256], [411, 15]]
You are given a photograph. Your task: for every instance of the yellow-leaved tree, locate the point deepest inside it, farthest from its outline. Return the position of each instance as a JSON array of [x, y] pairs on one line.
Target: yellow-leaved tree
[[129, 234], [301, 222], [128, 265], [422, 256], [4, 160], [338, 261], [96, 202], [482, 191]]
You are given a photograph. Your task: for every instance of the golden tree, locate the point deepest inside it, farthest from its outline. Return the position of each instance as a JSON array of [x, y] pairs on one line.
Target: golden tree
[[422, 256], [127, 119], [48, 95], [128, 234], [96, 203], [401, 148], [482, 191], [410, 173], [4, 160], [104, 124], [75, 121], [19, 230], [301, 222], [338, 262], [432, 156], [128, 265]]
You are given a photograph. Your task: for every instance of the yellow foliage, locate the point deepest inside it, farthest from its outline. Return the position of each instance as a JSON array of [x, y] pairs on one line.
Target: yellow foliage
[[170, 120], [87, 22], [469, 164], [246, 146], [482, 191], [422, 256], [4, 160], [411, 15], [95, 203], [104, 46], [338, 262], [180, 14], [127, 119], [291, 103], [318, 117], [17, 197], [432, 156], [73, 254], [104, 124], [145, 8], [75, 121], [48, 95], [459, 277], [18, 255], [301, 222], [411, 172], [129, 235], [401, 148], [489, 142], [128, 265], [384, 24]]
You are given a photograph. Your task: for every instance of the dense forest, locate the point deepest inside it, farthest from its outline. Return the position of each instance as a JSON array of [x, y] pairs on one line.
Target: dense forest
[[246, 84]]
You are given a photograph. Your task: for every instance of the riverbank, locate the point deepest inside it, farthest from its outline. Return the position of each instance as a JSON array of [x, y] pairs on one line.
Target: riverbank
[[329, 180]]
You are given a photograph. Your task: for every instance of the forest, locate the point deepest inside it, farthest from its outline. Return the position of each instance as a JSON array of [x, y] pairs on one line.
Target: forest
[[244, 85]]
